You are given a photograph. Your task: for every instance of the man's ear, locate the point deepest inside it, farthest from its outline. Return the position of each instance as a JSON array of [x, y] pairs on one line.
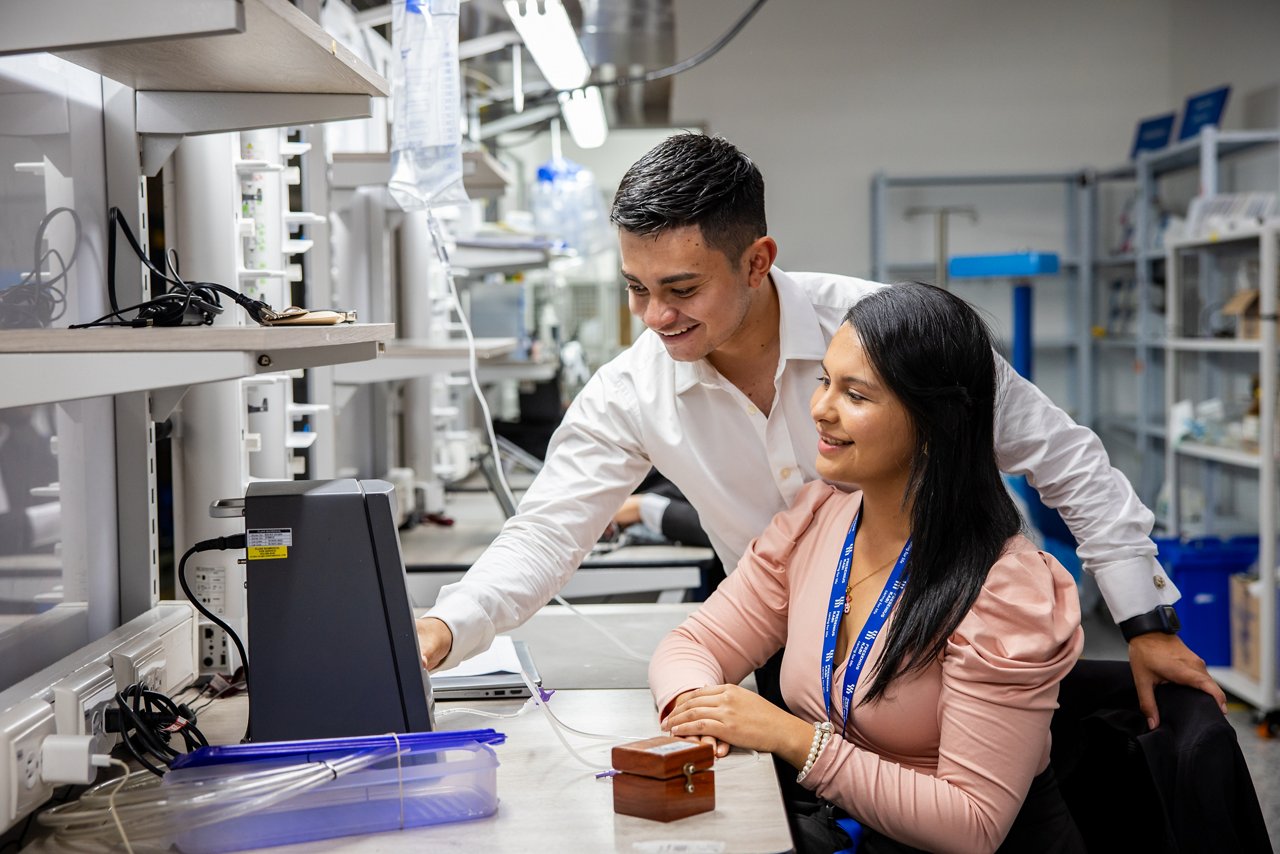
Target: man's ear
[[759, 258]]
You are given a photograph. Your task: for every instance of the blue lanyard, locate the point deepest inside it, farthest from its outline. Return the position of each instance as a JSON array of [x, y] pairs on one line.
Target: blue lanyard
[[875, 621]]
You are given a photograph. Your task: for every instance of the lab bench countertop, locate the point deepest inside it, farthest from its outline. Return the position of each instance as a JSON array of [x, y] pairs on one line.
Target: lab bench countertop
[[548, 800]]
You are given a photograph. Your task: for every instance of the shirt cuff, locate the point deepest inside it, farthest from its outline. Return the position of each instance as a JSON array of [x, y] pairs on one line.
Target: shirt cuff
[[472, 630], [1134, 587], [652, 508]]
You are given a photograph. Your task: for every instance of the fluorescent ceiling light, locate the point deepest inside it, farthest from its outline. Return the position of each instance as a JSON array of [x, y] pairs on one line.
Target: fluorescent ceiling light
[[552, 41], [583, 112]]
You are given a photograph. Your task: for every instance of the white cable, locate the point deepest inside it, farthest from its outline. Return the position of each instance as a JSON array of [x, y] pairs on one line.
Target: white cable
[[153, 809], [111, 804], [628, 651], [460, 710], [555, 726], [442, 253]]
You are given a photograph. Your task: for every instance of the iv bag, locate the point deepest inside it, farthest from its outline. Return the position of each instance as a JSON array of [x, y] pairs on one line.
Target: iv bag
[[426, 137]]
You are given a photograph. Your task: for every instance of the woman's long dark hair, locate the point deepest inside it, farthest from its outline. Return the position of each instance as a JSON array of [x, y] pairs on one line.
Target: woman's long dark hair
[[934, 353]]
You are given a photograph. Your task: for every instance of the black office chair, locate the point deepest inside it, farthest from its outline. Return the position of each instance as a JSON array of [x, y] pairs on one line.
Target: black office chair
[[1182, 787]]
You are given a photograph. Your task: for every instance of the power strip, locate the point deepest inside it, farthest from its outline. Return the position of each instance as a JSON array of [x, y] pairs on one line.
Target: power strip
[[70, 696]]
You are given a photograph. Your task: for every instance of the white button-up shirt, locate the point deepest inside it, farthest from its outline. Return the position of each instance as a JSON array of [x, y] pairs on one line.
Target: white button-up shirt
[[738, 468]]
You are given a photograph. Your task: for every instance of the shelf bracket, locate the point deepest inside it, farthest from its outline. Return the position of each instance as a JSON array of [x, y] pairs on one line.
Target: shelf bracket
[[165, 400], [156, 150]]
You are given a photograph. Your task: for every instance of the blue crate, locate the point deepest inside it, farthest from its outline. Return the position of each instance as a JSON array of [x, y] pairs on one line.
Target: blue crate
[[1202, 569], [1018, 265]]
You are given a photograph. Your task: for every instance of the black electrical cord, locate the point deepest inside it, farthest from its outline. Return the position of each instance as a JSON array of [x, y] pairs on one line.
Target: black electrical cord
[[146, 721], [37, 301], [670, 70], [199, 301], [232, 543], [693, 61]]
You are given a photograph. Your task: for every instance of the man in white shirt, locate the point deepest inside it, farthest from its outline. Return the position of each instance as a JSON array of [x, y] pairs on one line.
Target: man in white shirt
[[715, 395]]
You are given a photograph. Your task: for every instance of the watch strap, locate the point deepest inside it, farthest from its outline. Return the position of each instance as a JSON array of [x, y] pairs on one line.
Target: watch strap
[[1162, 619]]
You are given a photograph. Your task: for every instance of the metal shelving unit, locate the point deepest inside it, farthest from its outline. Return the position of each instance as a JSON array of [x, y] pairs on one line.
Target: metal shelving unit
[[1077, 277], [1207, 368], [1142, 427]]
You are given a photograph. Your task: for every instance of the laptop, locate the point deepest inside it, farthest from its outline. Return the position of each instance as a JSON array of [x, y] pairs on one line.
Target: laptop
[[492, 675]]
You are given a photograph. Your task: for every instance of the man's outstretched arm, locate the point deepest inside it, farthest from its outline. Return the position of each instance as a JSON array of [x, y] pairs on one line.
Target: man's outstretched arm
[[1069, 467]]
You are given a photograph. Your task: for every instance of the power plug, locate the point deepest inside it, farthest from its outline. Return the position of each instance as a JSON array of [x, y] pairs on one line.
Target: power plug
[[70, 759]]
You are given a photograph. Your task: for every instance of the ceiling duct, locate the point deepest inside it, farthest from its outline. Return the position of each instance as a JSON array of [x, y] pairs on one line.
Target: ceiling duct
[[621, 39], [625, 38]]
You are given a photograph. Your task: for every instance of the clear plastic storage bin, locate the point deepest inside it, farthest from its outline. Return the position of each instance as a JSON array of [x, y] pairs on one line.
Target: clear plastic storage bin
[[440, 777]]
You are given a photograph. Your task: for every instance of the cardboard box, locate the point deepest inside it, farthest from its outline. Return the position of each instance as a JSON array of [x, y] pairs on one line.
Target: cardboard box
[[1245, 305], [1246, 592], [1244, 625]]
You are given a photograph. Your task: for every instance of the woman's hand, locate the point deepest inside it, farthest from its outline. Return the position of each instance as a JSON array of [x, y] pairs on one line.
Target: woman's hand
[[730, 714]]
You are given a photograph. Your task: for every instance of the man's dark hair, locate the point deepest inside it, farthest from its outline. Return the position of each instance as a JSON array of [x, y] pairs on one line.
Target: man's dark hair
[[933, 351], [694, 179]]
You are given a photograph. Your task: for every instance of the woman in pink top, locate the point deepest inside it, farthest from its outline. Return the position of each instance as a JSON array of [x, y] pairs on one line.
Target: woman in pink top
[[924, 636]]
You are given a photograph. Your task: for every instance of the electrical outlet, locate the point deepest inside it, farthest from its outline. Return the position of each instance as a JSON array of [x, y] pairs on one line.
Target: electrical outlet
[[22, 728], [215, 654], [80, 703], [139, 661], [181, 666]]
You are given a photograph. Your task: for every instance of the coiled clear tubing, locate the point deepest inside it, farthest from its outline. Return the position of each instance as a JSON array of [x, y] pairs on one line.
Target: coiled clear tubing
[[154, 810]]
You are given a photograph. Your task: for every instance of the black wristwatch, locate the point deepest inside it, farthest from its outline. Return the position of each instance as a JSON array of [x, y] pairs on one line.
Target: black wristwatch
[[1161, 619]]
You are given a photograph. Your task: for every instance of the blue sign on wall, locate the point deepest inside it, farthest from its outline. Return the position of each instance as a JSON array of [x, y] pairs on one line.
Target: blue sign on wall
[[1203, 110], [1153, 134]]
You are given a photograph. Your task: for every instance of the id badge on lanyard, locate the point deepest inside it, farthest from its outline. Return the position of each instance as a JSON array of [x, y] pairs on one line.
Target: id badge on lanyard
[[870, 630]]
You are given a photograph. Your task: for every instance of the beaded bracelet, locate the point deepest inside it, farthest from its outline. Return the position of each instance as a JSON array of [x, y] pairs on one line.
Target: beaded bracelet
[[821, 734]]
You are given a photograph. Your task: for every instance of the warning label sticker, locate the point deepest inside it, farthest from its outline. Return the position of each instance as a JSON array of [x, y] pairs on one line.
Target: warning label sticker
[[267, 552], [269, 537]]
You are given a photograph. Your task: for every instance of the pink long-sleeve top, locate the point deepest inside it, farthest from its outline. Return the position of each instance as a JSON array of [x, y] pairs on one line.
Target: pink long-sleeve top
[[944, 760]]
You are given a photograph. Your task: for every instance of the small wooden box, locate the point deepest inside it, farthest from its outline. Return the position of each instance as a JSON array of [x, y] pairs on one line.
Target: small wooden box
[[664, 779]]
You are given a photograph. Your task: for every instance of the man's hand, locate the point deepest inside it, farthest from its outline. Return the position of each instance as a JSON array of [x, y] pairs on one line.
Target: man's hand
[[629, 513], [1156, 657], [434, 640], [733, 715]]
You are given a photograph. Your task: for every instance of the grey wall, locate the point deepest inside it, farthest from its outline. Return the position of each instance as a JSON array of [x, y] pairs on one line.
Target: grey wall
[[824, 93]]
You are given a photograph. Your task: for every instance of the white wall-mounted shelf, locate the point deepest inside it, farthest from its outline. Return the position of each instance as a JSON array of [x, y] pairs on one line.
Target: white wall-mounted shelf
[[1240, 238], [49, 365], [1230, 456], [406, 359], [483, 175], [54, 25], [202, 67], [1214, 345], [279, 49]]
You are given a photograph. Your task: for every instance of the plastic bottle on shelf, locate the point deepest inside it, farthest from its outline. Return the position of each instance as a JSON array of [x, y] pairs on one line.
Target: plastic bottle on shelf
[[567, 206]]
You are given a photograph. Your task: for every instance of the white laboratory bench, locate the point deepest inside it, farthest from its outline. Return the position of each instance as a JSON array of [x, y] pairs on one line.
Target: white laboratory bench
[[435, 556], [549, 802]]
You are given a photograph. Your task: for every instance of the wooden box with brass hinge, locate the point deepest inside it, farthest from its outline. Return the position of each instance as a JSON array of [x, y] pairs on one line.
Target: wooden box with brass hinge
[[663, 779]]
